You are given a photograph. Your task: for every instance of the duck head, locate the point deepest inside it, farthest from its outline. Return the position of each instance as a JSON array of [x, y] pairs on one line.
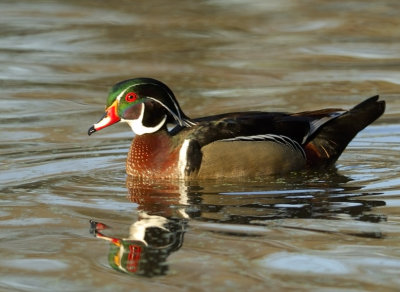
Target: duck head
[[146, 104]]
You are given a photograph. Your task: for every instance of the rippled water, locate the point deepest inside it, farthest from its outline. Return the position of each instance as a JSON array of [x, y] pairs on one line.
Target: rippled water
[[331, 230]]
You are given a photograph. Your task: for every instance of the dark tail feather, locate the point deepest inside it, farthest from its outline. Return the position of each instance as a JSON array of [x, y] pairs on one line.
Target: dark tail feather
[[333, 137]]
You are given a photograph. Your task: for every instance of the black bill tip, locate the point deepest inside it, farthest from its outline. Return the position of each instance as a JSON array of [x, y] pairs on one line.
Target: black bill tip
[[91, 130]]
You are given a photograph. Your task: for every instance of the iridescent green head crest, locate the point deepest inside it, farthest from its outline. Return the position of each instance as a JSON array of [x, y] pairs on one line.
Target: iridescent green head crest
[[143, 90]]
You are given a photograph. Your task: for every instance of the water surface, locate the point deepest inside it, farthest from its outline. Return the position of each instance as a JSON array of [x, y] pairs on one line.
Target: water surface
[[336, 229]]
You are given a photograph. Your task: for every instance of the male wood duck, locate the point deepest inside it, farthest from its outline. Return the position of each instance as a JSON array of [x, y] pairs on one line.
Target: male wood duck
[[231, 145]]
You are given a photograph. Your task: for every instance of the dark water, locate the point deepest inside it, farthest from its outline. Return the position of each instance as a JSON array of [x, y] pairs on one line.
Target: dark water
[[331, 230]]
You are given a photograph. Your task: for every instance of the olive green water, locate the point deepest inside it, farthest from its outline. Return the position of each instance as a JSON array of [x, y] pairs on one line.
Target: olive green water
[[334, 230]]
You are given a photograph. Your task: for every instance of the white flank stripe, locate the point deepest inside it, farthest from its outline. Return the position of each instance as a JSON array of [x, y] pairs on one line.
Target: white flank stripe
[[183, 158]]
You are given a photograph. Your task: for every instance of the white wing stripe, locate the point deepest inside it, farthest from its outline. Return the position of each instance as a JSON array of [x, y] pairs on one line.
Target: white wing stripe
[[280, 139]]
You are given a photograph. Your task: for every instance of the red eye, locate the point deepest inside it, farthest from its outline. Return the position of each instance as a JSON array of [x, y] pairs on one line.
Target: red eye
[[131, 96]]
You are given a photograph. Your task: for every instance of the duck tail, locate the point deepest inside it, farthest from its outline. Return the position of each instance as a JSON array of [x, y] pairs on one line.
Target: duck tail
[[332, 138]]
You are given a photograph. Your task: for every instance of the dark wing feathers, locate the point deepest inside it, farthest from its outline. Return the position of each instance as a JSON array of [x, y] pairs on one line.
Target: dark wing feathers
[[329, 141], [232, 125], [323, 134]]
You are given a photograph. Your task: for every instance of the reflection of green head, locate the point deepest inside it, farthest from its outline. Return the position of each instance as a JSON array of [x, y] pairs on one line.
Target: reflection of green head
[[136, 258]]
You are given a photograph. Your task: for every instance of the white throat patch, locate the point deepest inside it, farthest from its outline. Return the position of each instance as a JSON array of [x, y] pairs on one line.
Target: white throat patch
[[137, 125]]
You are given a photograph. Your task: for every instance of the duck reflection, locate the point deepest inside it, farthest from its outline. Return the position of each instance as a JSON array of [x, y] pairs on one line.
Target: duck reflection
[[164, 209], [145, 251], [158, 231]]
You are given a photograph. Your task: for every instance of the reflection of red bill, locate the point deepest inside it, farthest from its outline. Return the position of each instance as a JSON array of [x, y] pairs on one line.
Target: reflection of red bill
[[100, 226], [110, 117], [96, 226]]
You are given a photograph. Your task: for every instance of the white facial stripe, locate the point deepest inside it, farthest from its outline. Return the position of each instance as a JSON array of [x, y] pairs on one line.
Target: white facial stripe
[[168, 109], [176, 116], [121, 94], [176, 106], [137, 125], [172, 99]]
